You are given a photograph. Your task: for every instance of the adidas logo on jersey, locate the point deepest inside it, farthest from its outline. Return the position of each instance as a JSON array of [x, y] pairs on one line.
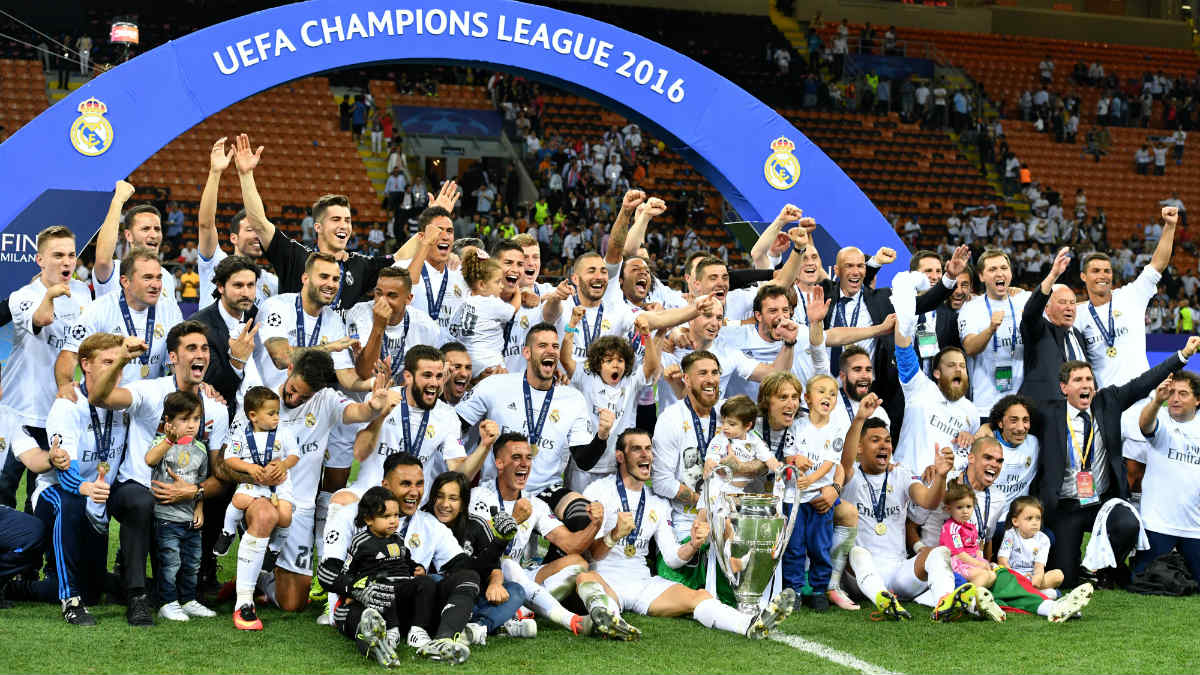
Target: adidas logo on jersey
[[512, 406]]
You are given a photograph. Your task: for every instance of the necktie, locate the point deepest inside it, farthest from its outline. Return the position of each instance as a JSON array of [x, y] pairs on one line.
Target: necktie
[[1087, 432], [1071, 356], [835, 354]]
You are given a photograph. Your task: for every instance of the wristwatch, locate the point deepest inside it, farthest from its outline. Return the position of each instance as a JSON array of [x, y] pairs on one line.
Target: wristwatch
[[199, 497]]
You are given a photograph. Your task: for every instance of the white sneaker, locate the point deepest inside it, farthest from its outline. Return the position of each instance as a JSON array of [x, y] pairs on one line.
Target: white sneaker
[[417, 637], [476, 634], [194, 609], [325, 618], [1069, 605], [522, 628], [172, 612]]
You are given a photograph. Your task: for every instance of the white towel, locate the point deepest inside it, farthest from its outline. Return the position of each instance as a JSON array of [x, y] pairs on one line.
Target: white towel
[[1099, 554]]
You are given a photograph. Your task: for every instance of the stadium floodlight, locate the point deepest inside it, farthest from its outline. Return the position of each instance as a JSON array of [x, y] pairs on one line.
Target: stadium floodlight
[[123, 32]]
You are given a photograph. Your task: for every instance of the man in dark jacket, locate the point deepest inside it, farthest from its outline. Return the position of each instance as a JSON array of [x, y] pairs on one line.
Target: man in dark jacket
[[1047, 329]]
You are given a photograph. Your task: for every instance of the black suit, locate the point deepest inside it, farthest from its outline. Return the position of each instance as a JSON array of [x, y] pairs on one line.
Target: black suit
[[1066, 517], [878, 304], [220, 373], [1045, 350], [945, 326]]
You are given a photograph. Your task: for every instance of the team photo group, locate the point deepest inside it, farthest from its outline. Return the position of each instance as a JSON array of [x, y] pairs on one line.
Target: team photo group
[[442, 446]]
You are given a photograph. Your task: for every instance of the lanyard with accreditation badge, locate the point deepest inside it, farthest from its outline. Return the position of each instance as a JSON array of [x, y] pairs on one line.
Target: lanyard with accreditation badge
[[1004, 371], [1085, 484]]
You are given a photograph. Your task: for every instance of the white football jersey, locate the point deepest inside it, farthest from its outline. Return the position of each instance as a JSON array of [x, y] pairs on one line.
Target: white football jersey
[[821, 445], [104, 316], [1005, 349], [1170, 502], [441, 291], [29, 387], [610, 317], [416, 328], [480, 323], [541, 521], [278, 317], [733, 364], [860, 489], [145, 413], [931, 419], [620, 398], [656, 524], [679, 458], [71, 423], [1128, 307], [434, 443]]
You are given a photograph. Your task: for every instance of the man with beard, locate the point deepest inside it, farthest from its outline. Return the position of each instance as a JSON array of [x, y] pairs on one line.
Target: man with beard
[[143, 229], [625, 244], [936, 410], [1047, 329], [139, 310], [984, 464], [45, 310], [1009, 423], [534, 308], [309, 407], [458, 372], [133, 493], [938, 327], [557, 421], [855, 377], [633, 515], [331, 220], [242, 237], [989, 325], [773, 333]]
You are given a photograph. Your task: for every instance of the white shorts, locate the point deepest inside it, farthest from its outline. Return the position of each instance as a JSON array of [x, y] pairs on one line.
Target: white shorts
[[283, 491], [13, 436], [297, 552], [339, 453], [637, 593], [899, 576]]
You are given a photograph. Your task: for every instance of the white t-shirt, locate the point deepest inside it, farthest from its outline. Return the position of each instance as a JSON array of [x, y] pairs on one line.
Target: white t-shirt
[[746, 339], [620, 398], [1017, 474], [284, 446], [1024, 553], [112, 284], [479, 323], [145, 412], [656, 524], [860, 489], [104, 316], [541, 520], [616, 319], [1006, 348], [501, 399], [29, 387], [739, 304], [514, 360], [71, 422], [428, 540], [310, 423], [1170, 502], [821, 445], [931, 419], [279, 318], [440, 442], [268, 283], [416, 328], [679, 459], [1128, 306], [430, 294]]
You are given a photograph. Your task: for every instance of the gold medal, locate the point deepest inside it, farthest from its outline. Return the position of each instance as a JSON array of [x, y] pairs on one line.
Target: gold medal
[[104, 468], [880, 529], [145, 370], [630, 550], [1112, 352], [274, 499]]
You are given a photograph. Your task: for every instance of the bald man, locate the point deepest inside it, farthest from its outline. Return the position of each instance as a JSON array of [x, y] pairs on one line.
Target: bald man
[[1047, 328]]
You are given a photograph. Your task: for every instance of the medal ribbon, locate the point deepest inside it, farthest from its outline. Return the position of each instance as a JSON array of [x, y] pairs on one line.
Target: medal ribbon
[[982, 518], [265, 458], [398, 355], [588, 338], [103, 441], [435, 308], [316, 334], [535, 429], [631, 539], [877, 503], [144, 358], [840, 315], [712, 426], [766, 433], [1110, 336], [413, 449]]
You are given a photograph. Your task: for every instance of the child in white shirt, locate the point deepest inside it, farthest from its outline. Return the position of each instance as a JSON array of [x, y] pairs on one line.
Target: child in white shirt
[[740, 448], [1026, 548]]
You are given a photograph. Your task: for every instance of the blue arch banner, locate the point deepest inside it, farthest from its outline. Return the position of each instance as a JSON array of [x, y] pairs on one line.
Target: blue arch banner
[[103, 131]]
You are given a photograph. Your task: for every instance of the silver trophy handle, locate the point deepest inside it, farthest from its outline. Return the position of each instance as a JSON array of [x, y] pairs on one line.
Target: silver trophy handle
[[785, 480], [716, 520]]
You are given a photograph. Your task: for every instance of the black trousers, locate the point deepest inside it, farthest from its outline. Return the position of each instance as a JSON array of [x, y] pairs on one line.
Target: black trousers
[[132, 505], [1069, 521], [415, 605], [21, 540]]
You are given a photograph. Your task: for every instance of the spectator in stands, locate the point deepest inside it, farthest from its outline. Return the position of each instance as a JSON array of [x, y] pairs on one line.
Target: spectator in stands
[[1179, 138], [783, 60], [1098, 141], [961, 108], [344, 113], [375, 240], [1071, 129], [308, 233], [1160, 158], [867, 39], [358, 118], [1175, 201], [174, 226], [889, 42], [1046, 69], [939, 106], [84, 46], [1142, 158], [397, 181], [840, 49], [189, 285], [63, 62], [188, 254]]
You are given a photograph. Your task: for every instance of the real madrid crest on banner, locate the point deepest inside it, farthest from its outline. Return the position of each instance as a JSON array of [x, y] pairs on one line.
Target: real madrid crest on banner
[[91, 134], [782, 169]]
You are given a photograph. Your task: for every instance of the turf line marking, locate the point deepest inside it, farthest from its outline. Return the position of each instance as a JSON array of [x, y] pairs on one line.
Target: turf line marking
[[829, 653]]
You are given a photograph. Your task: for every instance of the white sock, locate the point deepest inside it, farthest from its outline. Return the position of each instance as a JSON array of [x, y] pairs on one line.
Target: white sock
[[937, 568], [233, 515], [319, 518], [1050, 593], [251, 552], [868, 579], [562, 582], [843, 541], [1045, 608], [544, 604], [332, 519], [591, 592], [711, 613]]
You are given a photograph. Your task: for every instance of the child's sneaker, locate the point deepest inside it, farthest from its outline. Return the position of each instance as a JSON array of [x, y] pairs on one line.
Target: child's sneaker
[[196, 610], [475, 633], [839, 598], [1068, 606], [224, 541], [372, 631], [522, 628], [172, 612], [245, 618]]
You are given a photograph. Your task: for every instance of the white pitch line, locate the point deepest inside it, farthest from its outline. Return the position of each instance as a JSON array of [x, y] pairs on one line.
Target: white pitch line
[[829, 653]]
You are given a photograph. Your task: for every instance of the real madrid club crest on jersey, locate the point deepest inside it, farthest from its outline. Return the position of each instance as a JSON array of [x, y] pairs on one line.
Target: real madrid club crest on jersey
[[782, 169], [91, 134]]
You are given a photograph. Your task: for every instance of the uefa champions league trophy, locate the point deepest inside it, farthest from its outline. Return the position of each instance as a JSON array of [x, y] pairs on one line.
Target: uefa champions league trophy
[[749, 531]]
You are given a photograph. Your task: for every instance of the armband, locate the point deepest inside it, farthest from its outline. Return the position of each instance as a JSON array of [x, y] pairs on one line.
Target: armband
[[570, 329]]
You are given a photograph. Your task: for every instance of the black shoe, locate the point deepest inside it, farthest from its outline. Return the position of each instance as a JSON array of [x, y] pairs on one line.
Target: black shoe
[[224, 541], [5, 603], [817, 602], [269, 561], [139, 612], [76, 614]]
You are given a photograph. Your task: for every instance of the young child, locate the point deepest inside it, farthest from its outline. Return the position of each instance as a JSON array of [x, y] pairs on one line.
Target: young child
[[1026, 548], [960, 535], [376, 560], [738, 445], [251, 452], [817, 442], [176, 454], [483, 319]]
